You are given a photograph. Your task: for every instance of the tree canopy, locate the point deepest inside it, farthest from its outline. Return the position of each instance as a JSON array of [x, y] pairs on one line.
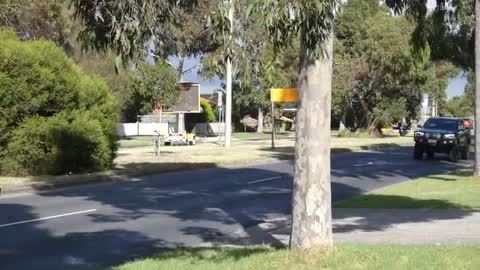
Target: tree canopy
[[127, 27], [152, 84], [379, 77]]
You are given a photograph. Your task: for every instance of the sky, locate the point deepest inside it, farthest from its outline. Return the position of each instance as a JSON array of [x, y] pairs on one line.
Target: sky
[[456, 85]]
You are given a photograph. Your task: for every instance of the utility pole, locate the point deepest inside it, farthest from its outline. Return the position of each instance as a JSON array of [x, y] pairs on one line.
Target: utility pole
[[228, 79]]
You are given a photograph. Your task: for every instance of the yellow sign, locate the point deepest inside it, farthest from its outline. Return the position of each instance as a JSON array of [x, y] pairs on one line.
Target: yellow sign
[[284, 95]]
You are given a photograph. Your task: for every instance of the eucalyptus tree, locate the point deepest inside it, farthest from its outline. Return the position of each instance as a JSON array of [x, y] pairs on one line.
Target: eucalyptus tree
[[312, 23]]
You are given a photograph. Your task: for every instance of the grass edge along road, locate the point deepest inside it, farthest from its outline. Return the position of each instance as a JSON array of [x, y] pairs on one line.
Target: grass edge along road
[[344, 256], [456, 190], [135, 160]]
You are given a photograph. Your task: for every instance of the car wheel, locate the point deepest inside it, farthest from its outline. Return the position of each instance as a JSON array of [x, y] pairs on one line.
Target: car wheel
[[418, 152], [431, 154], [453, 154]]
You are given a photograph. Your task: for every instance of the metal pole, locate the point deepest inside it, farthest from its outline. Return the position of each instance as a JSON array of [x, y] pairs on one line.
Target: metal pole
[[228, 109], [273, 125]]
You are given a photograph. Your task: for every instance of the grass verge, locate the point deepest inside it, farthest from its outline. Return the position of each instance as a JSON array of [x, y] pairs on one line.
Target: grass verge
[[456, 190], [343, 257]]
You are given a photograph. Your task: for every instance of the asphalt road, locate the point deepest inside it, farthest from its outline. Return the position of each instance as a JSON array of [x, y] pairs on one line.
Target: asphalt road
[[93, 227]]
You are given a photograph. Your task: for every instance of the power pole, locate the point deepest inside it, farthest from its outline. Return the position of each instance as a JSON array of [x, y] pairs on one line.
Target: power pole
[[228, 79]]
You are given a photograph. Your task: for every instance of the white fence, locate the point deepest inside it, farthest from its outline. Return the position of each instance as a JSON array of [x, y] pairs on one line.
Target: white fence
[[141, 129], [148, 129]]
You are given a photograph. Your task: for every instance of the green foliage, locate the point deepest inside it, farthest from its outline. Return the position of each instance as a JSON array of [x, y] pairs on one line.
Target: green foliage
[[388, 111], [462, 106], [287, 20], [265, 69], [47, 19], [458, 107], [378, 77], [102, 64], [345, 133], [153, 83], [187, 34], [39, 82], [207, 114], [124, 25], [288, 126], [72, 142], [448, 31]]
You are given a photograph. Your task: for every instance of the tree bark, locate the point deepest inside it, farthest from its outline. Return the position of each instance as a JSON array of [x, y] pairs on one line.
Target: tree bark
[[477, 89], [181, 62], [311, 215], [260, 120]]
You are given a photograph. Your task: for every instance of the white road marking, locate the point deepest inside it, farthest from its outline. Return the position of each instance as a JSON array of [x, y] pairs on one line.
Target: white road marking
[[363, 164], [263, 180], [44, 218]]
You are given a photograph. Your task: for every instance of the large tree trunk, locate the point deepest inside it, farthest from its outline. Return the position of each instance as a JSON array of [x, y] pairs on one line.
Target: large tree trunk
[[260, 120], [312, 217], [477, 88]]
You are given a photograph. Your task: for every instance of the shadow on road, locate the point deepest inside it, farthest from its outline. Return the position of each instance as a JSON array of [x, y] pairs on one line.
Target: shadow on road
[[212, 206]]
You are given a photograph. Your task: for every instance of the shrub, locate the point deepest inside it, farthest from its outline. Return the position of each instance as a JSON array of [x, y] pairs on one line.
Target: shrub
[[46, 99], [73, 142], [345, 133], [207, 115], [288, 126]]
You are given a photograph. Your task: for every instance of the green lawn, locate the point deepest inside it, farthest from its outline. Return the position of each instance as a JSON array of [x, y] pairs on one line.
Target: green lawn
[[455, 190], [136, 141], [344, 257]]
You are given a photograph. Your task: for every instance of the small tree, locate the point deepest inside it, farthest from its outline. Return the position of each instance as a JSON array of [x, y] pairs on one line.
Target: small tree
[[153, 84]]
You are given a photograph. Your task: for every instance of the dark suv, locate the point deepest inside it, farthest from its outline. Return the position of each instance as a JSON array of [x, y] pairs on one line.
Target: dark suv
[[442, 135]]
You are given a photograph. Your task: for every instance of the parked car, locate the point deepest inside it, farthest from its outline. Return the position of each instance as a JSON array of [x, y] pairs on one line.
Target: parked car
[[180, 139], [442, 135]]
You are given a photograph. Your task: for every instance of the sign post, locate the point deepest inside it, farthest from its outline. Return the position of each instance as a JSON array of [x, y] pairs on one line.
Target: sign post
[[287, 95], [273, 125]]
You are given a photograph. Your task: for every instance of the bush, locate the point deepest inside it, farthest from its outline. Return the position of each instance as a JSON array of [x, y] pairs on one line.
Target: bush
[[345, 133], [208, 115], [64, 143], [47, 104], [288, 126]]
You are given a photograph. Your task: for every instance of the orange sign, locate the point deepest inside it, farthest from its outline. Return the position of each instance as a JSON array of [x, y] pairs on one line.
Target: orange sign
[[284, 95]]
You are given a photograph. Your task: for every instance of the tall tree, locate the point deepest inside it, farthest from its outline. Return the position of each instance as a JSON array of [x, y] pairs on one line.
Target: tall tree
[[312, 22]]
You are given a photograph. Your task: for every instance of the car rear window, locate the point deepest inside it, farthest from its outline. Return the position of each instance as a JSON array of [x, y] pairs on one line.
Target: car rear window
[[441, 123]]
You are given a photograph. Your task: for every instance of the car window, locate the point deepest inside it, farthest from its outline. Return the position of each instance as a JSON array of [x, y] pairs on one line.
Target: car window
[[436, 123], [460, 125]]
